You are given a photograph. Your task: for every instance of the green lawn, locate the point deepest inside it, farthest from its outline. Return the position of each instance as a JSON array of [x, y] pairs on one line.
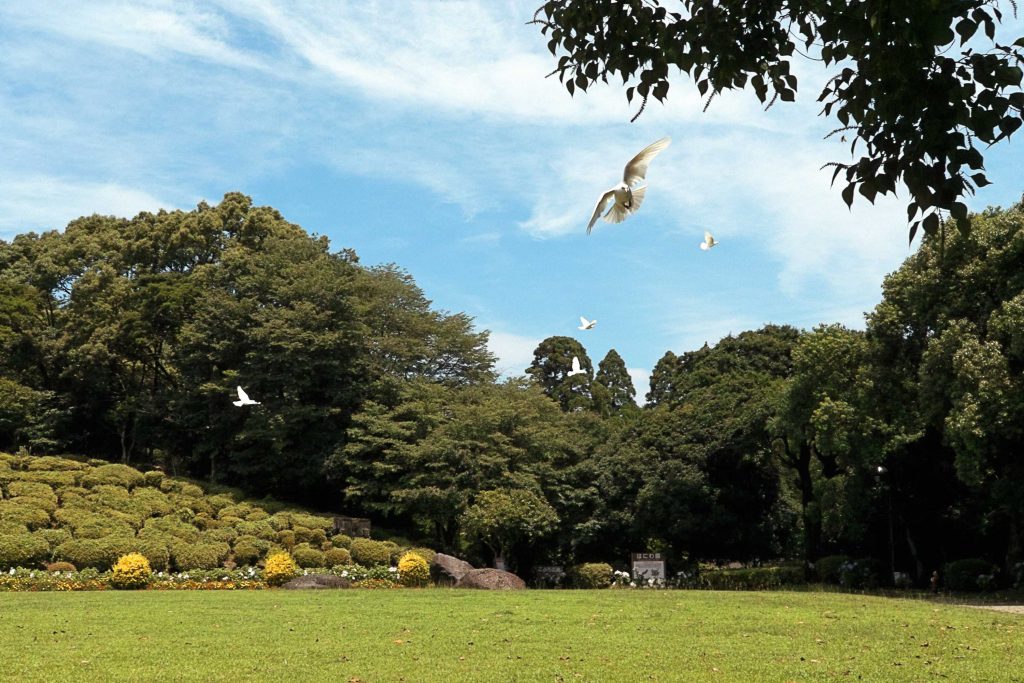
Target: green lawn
[[454, 635]]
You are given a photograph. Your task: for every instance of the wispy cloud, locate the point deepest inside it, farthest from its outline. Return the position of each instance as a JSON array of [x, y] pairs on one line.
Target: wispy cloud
[[514, 352], [37, 203]]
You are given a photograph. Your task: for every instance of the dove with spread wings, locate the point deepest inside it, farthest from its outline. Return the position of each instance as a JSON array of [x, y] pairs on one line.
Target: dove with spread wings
[[623, 200]]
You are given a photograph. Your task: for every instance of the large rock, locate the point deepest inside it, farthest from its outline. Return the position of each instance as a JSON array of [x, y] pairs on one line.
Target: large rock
[[446, 570], [491, 579], [315, 581]]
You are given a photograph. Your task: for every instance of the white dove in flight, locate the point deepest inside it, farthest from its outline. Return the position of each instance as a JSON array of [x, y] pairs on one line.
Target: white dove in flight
[[576, 369], [623, 198], [708, 242], [586, 324], [244, 400]]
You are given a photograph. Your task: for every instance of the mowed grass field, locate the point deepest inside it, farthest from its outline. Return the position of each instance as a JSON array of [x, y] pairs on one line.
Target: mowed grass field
[[456, 635]]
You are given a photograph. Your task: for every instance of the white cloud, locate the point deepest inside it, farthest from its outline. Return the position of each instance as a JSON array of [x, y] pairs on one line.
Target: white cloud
[[514, 352], [42, 202], [153, 28]]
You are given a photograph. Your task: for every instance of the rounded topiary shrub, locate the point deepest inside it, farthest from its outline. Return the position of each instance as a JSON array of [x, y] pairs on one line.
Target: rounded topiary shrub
[[113, 474], [247, 551], [31, 488], [310, 536], [52, 462], [827, 568], [368, 552], [312, 521], [23, 550], [199, 555], [279, 569], [156, 551], [224, 533], [150, 502], [341, 541], [963, 575], [334, 557], [260, 529], [413, 570], [61, 567], [83, 552], [307, 556], [169, 526], [153, 478], [26, 514], [54, 537], [286, 538], [131, 572], [593, 575], [257, 515]]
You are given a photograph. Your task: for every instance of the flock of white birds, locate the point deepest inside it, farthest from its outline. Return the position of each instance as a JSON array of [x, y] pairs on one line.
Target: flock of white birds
[[617, 204], [621, 202]]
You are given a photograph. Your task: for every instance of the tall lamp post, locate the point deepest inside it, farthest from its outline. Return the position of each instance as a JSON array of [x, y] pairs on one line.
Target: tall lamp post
[[882, 471]]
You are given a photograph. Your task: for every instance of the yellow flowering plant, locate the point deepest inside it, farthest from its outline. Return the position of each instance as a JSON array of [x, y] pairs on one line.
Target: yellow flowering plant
[[280, 567], [132, 571], [413, 570]]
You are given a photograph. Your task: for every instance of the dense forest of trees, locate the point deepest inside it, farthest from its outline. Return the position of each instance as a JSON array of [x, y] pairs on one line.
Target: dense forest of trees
[[124, 339]]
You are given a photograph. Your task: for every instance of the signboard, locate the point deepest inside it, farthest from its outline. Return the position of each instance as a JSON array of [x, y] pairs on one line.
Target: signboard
[[648, 566]]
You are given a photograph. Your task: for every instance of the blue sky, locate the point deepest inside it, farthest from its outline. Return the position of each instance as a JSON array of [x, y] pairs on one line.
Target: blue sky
[[425, 134]]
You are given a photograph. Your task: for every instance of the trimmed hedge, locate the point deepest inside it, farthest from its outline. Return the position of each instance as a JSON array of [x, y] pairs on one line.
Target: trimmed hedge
[[592, 575], [337, 556], [23, 550], [368, 552], [208, 555], [52, 462], [754, 578], [24, 513], [827, 568], [307, 556], [114, 475]]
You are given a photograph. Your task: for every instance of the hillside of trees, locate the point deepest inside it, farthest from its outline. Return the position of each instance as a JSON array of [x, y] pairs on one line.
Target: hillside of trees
[[124, 339]]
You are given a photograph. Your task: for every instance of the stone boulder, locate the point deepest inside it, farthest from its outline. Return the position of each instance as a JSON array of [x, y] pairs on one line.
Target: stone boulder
[[446, 570], [317, 581], [491, 579]]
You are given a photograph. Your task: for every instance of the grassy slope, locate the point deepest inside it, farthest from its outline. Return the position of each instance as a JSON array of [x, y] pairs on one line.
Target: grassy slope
[[450, 635]]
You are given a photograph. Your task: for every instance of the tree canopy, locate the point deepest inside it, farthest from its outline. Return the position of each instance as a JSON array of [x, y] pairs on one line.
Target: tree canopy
[[914, 84]]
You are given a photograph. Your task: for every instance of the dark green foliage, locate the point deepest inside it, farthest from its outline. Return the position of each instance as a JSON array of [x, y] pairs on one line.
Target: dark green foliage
[[915, 99], [23, 550], [754, 578], [617, 392], [113, 475], [827, 569], [552, 362], [963, 575], [24, 512], [157, 552], [248, 550], [370, 553], [865, 572], [307, 556], [332, 557], [341, 541], [99, 553], [200, 555], [592, 575]]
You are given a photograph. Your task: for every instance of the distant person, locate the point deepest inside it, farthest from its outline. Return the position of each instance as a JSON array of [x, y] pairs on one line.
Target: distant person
[[935, 581]]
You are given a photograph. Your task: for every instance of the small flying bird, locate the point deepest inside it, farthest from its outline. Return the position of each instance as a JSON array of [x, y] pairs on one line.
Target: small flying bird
[[623, 198], [244, 400], [708, 242], [576, 369], [586, 324]]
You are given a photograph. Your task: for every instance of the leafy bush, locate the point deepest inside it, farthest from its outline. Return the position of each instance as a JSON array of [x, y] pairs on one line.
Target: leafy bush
[[279, 569], [413, 570], [61, 567], [281, 521], [426, 553], [24, 513], [23, 550], [248, 550], [35, 489], [113, 474], [156, 551], [312, 521], [99, 553], [862, 573], [368, 552], [753, 578], [54, 537], [169, 526], [224, 533], [963, 575], [286, 538], [334, 557], [592, 575], [54, 463], [308, 556], [208, 555], [341, 541], [150, 502], [131, 572], [827, 568], [153, 478], [239, 510], [55, 479], [259, 529], [257, 515]]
